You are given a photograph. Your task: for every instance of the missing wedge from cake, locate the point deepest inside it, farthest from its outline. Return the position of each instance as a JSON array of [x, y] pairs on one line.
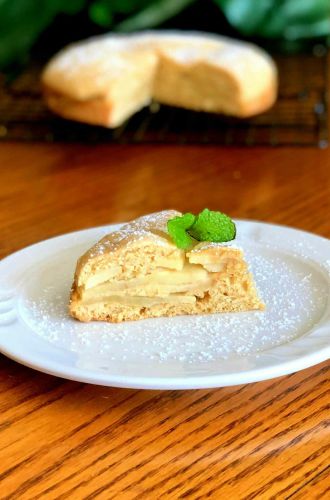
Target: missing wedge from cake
[[147, 270]]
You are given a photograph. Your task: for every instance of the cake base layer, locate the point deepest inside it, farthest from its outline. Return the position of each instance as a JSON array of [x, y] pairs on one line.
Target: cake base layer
[[213, 302]]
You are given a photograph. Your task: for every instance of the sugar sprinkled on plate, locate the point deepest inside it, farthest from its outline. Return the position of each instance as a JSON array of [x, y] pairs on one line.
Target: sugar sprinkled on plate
[[294, 295]]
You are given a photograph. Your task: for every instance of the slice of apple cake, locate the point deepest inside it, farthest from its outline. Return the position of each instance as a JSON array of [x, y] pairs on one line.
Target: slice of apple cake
[[139, 272]]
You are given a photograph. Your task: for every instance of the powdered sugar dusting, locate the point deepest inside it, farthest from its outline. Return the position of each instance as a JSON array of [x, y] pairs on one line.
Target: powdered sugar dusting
[[206, 245], [294, 290], [150, 227]]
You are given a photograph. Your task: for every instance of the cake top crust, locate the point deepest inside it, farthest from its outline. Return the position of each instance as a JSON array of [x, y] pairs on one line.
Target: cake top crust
[[150, 228]]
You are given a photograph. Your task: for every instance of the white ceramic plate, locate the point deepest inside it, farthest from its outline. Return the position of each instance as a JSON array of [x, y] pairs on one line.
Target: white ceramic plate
[[292, 271]]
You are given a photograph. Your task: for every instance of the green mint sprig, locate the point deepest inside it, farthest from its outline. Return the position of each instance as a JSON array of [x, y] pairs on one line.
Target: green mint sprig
[[178, 228], [208, 225]]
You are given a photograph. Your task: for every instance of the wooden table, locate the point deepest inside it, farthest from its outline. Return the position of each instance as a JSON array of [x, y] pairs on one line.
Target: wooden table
[[68, 440]]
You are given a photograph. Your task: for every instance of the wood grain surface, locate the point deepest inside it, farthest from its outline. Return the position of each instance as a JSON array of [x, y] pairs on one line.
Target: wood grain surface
[[68, 440]]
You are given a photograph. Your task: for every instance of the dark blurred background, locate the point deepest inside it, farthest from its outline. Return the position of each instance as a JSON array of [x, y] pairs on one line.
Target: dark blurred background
[[295, 32]]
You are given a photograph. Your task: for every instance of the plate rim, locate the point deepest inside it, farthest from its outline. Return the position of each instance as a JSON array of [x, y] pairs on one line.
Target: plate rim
[[181, 383]]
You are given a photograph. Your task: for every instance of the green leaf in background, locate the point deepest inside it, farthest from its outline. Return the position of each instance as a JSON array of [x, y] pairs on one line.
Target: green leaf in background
[[298, 19], [129, 6], [100, 13], [103, 12], [246, 15], [288, 19], [22, 21], [155, 14]]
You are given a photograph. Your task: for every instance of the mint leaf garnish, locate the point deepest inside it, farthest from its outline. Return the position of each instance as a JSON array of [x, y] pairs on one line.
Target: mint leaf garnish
[[208, 225], [213, 226], [177, 228]]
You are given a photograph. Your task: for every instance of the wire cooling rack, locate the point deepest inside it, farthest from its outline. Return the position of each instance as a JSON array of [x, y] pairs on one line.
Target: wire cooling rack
[[298, 118]]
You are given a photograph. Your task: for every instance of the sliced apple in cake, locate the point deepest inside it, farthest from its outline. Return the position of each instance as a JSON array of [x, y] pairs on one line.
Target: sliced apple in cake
[[139, 272]]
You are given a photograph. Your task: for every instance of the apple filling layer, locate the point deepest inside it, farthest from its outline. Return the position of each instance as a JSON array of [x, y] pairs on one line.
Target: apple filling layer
[[161, 286]]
